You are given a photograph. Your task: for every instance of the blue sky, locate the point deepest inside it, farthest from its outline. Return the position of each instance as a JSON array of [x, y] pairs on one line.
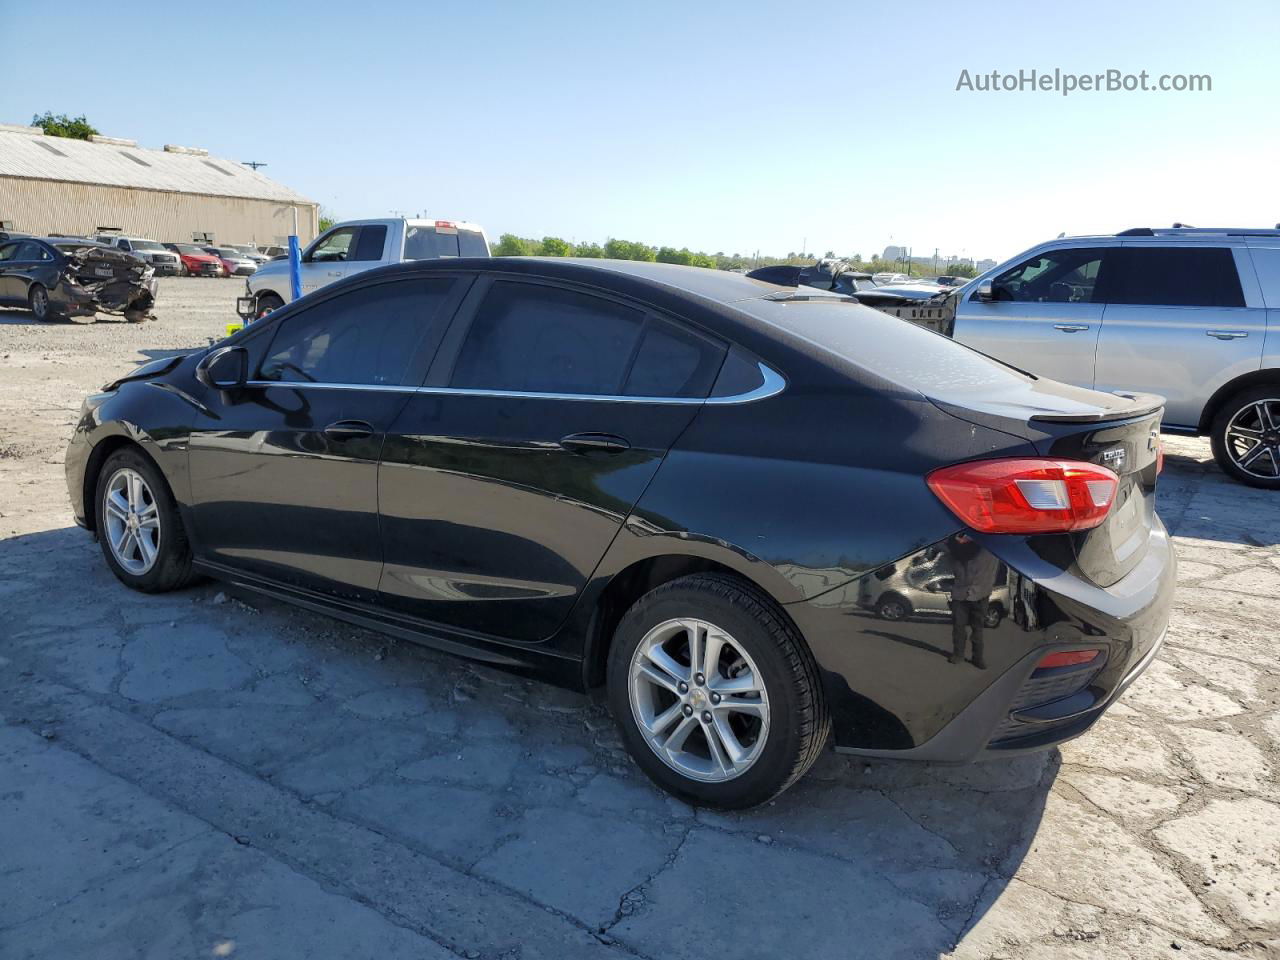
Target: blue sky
[[721, 127]]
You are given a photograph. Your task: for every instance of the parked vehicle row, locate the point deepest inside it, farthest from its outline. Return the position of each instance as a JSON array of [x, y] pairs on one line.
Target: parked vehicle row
[[685, 485], [56, 277]]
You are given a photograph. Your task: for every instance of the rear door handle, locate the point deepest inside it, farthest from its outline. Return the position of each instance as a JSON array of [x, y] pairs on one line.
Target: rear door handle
[[1227, 334], [1071, 327], [594, 442], [348, 430]]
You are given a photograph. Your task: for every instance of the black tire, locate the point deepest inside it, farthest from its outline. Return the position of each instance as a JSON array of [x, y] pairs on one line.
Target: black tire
[[172, 567], [893, 607], [266, 303], [798, 720], [38, 303], [1269, 461], [995, 614]]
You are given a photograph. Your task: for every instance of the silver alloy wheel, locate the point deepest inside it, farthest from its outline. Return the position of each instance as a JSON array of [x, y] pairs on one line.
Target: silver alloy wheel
[[1253, 438], [132, 521], [40, 303], [699, 700]]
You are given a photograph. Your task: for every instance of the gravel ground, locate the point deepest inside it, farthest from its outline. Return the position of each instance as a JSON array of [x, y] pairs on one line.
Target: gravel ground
[[205, 775]]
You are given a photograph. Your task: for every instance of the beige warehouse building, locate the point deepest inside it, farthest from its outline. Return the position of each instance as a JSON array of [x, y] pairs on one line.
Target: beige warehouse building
[[58, 185]]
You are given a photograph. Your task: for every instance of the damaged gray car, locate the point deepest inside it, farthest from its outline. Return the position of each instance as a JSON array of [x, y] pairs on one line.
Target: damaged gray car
[[57, 278]]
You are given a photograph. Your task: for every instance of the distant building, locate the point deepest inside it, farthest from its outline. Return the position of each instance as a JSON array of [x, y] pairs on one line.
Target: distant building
[[983, 266], [893, 253], [59, 185]]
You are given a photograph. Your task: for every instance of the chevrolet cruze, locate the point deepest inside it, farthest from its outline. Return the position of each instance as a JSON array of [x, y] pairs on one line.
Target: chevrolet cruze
[[686, 485]]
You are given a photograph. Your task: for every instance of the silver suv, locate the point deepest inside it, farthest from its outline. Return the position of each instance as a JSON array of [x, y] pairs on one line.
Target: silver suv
[[1191, 314]]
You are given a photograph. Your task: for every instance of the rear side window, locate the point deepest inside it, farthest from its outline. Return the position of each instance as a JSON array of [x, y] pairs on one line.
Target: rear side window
[[370, 244], [1174, 277], [530, 338], [364, 336], [673, 362], [471, 244]]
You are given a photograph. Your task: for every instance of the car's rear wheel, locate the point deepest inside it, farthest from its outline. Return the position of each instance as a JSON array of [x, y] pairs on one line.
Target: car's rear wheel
[[139, 527], [715, 694], [266, 303], [1246, 436], [38, 302]]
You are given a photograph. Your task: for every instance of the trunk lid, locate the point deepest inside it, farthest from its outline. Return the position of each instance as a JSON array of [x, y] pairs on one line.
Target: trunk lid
[[1117, 431]]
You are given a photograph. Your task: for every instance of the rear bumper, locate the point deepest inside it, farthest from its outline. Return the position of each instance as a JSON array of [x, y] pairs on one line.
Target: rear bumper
[[908, 688]]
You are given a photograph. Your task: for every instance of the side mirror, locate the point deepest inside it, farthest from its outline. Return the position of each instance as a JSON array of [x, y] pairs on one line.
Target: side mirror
[[983, 293], [224, 369]]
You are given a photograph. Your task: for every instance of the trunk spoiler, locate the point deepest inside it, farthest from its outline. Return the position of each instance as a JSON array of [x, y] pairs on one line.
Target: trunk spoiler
[[1140, 405]]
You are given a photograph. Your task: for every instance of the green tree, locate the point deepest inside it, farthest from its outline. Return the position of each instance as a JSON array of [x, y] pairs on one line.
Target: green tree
[[962, 270], [74, 128], [672, 255], [509, 245], [593, 250], [327, 219], [702, 260], [616, 249], [555, 247]]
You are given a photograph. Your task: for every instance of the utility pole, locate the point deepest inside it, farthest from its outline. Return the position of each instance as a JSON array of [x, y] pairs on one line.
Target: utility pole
[[254, 163]]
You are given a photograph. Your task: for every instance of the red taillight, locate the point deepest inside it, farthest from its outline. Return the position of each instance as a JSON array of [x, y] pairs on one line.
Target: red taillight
[[1159, 454], [1026, 495], [1069, 658]]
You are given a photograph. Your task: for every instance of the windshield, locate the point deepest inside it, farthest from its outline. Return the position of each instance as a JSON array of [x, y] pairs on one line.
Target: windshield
[[190, 249], [424, 243], [146, 245]]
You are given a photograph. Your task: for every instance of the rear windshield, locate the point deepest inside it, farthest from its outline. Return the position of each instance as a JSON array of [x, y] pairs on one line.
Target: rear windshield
[[894, 349], [424, 243]]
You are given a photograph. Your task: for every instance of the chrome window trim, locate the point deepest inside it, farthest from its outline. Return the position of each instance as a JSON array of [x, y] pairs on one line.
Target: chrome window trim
[[773, 384]]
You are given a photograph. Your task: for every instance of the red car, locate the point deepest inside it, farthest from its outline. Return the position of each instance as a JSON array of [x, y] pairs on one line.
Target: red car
[[197, 263]]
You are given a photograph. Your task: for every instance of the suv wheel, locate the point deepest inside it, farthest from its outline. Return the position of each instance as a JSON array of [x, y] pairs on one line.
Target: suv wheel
[[715, 695], [139, 528], [1246, 436]]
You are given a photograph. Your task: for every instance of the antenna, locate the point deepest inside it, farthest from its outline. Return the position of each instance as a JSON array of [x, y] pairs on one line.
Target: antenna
[[255, 164]]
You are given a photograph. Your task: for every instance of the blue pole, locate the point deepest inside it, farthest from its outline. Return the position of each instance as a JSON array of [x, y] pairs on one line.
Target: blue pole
[[295, 267]]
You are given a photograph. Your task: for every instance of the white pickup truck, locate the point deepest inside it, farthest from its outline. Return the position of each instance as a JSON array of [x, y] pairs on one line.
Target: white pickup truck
[[357, 245]]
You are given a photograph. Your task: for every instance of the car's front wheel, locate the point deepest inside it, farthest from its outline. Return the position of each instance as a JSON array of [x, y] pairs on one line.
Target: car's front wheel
[[266, 303], [715, 694], [139, 527], [1246, 436]]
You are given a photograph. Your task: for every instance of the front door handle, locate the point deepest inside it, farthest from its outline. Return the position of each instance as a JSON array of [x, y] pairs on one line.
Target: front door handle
[[594, 443], [1071, 327], [1227, 334], [348, 430]]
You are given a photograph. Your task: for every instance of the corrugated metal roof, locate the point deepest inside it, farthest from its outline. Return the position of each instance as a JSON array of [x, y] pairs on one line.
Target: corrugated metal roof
[[78, 161]]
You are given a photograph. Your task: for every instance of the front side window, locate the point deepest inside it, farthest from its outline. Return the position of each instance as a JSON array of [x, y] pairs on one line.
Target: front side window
[[531, 338], [364, 336], [7, 251], [334, 247], [1059, 276], [1175, 277]]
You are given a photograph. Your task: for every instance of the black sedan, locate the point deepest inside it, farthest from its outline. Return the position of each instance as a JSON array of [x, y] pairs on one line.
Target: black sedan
[[60, 277], [693, 487]]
